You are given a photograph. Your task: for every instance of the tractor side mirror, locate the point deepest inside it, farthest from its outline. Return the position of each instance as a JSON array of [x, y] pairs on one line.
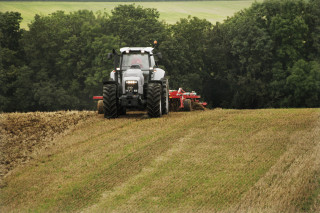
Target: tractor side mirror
[[110, 56]]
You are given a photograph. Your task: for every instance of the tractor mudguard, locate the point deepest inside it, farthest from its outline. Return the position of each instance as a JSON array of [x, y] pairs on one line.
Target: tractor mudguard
[[156, 81], [109, 82], [159, 74]]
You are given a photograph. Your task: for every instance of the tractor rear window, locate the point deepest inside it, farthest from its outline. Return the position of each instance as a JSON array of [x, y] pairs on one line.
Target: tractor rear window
[[135, 59]]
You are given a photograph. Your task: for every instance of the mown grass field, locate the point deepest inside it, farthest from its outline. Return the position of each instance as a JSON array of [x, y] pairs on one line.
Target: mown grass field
[[203, 161], [169, 11]]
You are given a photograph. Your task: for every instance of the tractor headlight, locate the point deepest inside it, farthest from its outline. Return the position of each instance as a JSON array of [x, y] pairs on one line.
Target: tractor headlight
[[131, 82], [132, 86]]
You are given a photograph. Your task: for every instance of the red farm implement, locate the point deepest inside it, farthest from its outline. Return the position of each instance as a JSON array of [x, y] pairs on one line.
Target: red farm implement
[[99, 104], [181, 100]]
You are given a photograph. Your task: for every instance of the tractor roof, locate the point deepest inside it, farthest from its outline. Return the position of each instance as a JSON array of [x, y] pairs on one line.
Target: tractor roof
[[136, 49]]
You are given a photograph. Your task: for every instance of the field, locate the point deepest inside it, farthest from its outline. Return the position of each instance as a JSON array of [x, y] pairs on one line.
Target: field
[[169, 11], [214, 160], [23, 134]]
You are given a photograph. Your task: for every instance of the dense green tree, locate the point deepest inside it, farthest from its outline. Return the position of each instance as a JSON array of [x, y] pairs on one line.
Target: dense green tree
[[136, 26], [11, 57], [66, 51], [303, 84], [10, 32], [291, 27], [184, 53], [313, 20], [23, 95], [253, 51], [242, 52], [101, 66]]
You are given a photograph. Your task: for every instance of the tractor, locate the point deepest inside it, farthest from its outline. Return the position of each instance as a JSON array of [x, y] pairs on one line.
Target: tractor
[[136, 83]]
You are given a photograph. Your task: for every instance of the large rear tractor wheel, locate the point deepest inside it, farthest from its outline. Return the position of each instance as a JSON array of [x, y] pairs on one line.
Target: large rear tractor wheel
[[187, 105], [154, 103], [165, 97], [110, 101], [100, 107]]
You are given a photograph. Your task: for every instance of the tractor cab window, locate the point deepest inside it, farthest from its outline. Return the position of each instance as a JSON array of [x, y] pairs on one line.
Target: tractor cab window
[[153, 63], [135, 59]]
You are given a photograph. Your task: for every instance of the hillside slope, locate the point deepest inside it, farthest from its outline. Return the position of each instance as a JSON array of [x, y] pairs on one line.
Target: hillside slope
[[22, 135], [171, 12], [215, 160]]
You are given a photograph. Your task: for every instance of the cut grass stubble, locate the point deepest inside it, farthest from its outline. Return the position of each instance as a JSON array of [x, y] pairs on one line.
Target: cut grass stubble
[[212, 160]]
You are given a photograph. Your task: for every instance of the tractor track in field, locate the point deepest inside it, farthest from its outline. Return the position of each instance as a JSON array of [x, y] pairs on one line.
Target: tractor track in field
[[202, 161]]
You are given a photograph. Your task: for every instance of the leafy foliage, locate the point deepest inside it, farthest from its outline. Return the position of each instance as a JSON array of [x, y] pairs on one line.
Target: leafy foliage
[[136, 26], [304, 84], [10, 57], [256, 50], [184, 53], [263, 56]]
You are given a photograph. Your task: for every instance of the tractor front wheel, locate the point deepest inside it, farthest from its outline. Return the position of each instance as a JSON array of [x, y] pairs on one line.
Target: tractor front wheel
[[154, 103], [110, 101]]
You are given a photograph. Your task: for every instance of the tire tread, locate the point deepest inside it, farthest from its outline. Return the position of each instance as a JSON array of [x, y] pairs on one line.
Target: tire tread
[[153, 99], [110, 102]]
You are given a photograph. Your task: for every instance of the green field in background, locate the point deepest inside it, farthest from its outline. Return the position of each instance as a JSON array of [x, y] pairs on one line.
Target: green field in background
[[169, 11]]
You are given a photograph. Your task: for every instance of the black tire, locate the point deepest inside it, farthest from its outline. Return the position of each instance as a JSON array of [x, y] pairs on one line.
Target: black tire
[[154, 103], [100, 107], [110, 101], [187, 105], [165, 97]]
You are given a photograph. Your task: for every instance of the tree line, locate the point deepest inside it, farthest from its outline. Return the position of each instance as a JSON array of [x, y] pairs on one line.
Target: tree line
[[264, 56]]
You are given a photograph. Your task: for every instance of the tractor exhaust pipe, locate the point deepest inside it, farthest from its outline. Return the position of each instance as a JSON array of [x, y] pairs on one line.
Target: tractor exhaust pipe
[[115, 57]]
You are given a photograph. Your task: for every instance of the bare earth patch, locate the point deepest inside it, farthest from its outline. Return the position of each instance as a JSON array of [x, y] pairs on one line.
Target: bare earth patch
[[24, 134]]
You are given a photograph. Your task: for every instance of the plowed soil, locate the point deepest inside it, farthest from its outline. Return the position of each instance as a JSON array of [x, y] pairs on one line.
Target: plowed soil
[[24, 134]]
